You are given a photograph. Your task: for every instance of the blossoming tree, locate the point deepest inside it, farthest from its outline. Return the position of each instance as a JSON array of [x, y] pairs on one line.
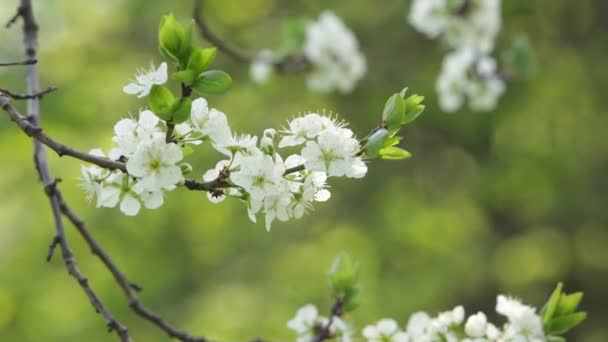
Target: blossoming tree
[[278, 175]]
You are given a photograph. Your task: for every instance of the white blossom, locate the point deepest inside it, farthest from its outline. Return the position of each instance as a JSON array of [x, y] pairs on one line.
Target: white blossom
[[385, 330], [304, 323], [259, 175], [335, 153], [523, 320], [144, 81], [262, 67], [429, 16], [468, 75], [334, 53], [210, 123], [476, 325], [129, 134], [155, 163]]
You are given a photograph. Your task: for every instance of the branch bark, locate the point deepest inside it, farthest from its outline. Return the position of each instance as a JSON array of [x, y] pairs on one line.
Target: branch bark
[[30, 29], [26, 62], [17, 96]]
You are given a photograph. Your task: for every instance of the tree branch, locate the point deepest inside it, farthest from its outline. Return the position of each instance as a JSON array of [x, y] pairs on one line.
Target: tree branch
[[17, 96], [206, 32], [26, 62], [289, 64], [30, 29]]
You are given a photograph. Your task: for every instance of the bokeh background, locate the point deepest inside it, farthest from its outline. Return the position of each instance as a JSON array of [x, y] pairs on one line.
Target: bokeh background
[[511, 201]]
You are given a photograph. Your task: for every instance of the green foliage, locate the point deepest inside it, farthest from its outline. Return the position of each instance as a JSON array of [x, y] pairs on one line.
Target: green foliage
[[344, 281], [560, 313], [161, 102], [519, 58], [398, 111], [293, 35], [175, 40], [212, 82]]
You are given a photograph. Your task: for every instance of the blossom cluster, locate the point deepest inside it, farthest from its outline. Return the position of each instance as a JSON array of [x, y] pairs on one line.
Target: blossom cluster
[[331, 49], [470, 28], [523, 324], [252, 169]]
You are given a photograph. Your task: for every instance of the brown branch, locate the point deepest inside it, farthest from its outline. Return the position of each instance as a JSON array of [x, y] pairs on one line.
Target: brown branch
[[26, 62], [129, 289], [18, 96], [30, 29], [289, 64], [208, 34], [31, 127], [337, 310]]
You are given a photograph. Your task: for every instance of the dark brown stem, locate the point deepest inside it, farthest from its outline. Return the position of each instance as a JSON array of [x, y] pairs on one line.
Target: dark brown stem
[[38, 95], [26, 62], [324, 332]]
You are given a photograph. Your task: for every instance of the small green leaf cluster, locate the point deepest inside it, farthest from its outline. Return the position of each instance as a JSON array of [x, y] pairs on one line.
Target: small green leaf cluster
[[192, 71], [344, 281], [560, 313], [398, 111], [519, 59]]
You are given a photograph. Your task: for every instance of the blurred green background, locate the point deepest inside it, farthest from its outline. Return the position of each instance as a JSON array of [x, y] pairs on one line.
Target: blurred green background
[[505, 202]]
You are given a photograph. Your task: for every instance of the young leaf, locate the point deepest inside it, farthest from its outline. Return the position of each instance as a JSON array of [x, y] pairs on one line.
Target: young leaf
[[375, 142], [343, 275], [212, 82], [563, 324], [181, 112], [394, 153], [161, 101], [200, 59], [413, 108], [171, 35], [548, 310], [394, 111], [568, 303], [184, 76]]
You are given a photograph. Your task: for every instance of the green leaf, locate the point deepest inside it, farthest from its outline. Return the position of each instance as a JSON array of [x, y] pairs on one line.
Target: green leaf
[[161, 101], [394, 153], [184, 76], [563, 324], [413, 108], [212, 82], [181, 112], [549, 309], [351, 299], [568, 303], [293, 35], [519, 58], [175, 40], [392, 141], [343, 275], [375, 142], [171, 34], [394, 111], [200, 59]]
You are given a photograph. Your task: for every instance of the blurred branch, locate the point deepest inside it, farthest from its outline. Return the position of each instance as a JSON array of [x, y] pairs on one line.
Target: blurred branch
[[289, 64], [30, 29], [17, 96], [324, 332], [206, 32], [26, 62]]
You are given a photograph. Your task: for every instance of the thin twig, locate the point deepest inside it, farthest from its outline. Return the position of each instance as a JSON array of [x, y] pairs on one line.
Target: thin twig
[[30, 29], [128, 288], [26, 62], [18, 96], [14, 18]]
